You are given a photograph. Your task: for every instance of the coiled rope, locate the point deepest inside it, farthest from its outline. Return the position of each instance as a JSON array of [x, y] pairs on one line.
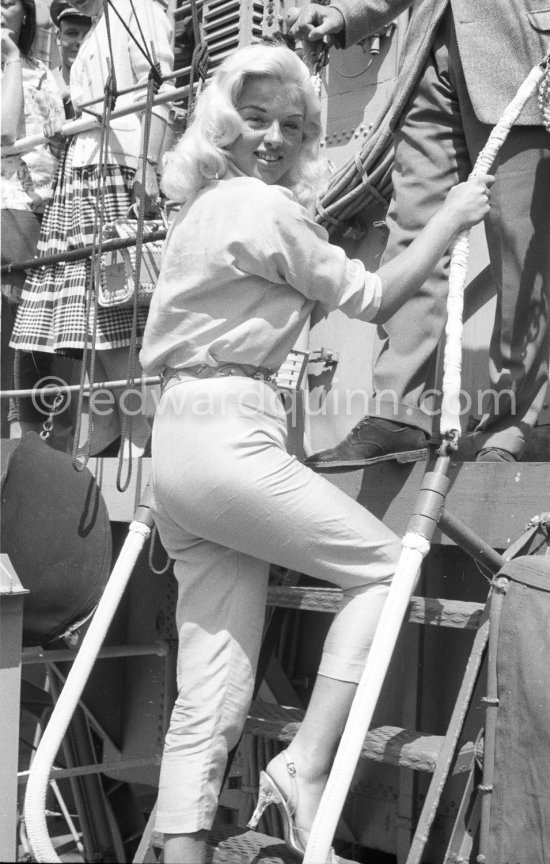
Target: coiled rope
[[363, 181]]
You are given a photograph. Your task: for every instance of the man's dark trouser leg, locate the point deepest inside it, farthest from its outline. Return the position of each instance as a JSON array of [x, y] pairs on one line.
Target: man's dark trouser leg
[[431, 156]]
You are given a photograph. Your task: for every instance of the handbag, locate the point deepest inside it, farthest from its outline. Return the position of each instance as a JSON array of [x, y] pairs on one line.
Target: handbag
[[117, 280]]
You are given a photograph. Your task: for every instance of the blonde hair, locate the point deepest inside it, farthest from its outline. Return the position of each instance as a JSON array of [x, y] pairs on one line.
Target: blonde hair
[[200, 155]]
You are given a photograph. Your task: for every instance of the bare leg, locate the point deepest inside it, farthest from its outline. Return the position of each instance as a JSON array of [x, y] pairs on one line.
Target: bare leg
[[188, 848], [314, 746]]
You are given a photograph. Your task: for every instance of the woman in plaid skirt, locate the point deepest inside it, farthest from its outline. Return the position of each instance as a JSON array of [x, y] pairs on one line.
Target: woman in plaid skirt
[[54, 316], [31, 105]]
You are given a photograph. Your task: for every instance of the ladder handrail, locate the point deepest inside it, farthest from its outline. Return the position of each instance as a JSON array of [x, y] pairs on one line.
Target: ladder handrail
[[35, 797]]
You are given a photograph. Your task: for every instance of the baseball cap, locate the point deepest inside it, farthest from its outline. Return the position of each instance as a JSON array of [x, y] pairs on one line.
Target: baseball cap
[[61, 9]]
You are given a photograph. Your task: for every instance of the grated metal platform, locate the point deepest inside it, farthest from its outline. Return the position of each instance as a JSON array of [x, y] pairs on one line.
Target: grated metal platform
[[228, 844], [241, 846], [231, 845]]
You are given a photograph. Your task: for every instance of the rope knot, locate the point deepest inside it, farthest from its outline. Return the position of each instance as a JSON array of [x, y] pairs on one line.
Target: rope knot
[[200, 61], [155, 75], [111, 92]]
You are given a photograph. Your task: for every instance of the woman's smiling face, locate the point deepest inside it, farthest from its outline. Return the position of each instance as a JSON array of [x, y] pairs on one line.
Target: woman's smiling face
[[272, 116]]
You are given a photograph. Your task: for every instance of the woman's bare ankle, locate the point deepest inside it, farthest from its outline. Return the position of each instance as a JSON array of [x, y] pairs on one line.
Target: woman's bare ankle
[[310, 766]]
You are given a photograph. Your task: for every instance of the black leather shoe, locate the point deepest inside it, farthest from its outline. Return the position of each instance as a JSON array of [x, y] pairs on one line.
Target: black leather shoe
[[495, 454], [373, 440]]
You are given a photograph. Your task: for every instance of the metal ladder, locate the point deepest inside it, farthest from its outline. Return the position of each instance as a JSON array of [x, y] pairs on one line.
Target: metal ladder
[[392, 745]]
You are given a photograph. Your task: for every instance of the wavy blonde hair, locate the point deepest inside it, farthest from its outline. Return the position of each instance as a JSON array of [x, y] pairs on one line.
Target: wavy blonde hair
[[201, 155]]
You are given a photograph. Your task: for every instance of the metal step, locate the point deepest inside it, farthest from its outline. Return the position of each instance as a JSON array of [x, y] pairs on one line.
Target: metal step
[[228, 844], [422, 610], [232, 845], [389, 744]]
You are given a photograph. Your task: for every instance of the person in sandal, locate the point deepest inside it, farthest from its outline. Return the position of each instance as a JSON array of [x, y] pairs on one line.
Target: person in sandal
[[242, 267]]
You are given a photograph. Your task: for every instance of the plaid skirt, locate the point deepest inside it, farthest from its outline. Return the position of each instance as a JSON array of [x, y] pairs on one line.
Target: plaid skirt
[[52, 315]]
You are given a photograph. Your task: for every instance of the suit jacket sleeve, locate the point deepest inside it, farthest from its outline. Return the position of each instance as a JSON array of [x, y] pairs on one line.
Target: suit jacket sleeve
[[363, 17]]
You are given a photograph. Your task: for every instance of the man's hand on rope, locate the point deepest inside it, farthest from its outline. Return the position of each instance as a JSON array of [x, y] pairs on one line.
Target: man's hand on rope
[[151, 189], [314, 22]]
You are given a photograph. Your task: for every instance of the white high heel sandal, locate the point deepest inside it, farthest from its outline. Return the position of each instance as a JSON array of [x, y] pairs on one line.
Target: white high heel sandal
[[269, 792]]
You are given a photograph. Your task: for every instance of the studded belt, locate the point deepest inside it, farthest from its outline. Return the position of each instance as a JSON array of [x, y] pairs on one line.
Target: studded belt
[[222, 370]]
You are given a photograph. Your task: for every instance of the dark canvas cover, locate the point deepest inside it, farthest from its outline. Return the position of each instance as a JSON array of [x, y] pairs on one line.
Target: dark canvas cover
[[56, 531], [520, 806]]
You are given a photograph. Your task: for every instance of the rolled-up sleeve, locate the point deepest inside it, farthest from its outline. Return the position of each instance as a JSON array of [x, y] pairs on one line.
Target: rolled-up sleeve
[[279, 242]]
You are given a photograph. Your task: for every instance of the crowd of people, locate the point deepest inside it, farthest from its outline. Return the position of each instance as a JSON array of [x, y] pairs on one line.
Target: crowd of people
[[243, 265], [31, 104], [55, 315]]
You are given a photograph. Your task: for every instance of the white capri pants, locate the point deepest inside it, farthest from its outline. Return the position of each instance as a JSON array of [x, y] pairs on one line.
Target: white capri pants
[[228, 500]]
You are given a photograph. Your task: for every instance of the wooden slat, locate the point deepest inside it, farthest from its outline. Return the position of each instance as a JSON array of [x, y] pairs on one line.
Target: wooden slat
[[496, 500], [303, 597], [460, 614], [437, 612], [407, 748], [391, 745]]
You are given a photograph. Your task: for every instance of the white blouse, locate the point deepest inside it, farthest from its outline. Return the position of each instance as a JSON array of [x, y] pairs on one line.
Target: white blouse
[[242, 267], [27, 179], [90, 69]]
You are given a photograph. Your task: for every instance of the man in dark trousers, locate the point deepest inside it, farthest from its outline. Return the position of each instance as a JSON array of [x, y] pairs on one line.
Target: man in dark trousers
[[462, 63]]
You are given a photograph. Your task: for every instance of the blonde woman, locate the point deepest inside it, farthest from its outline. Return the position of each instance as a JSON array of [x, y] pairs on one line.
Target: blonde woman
[[243, 265]]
